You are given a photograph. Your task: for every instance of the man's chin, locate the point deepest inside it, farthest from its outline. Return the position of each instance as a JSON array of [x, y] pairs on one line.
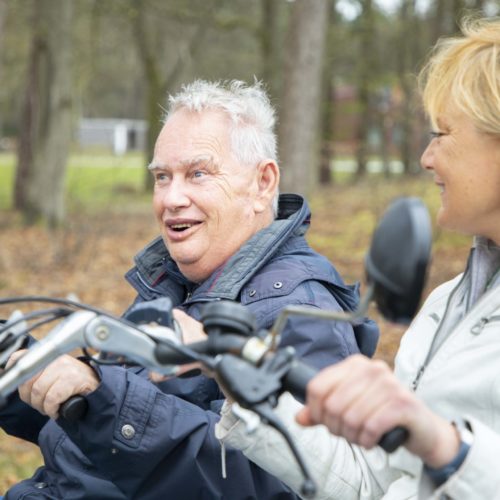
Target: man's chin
[[190, 267], [184, 260]]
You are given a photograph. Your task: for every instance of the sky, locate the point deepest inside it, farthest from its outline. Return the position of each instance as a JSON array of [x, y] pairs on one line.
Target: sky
[[351, 9]]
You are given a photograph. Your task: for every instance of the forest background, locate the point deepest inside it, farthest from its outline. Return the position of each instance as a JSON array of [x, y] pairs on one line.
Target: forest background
[[341, 74]]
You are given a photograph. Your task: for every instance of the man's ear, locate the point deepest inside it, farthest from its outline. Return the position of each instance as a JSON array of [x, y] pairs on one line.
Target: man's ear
[[268, 178]]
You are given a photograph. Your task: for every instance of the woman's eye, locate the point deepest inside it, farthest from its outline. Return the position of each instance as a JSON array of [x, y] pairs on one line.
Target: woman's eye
[[436, 135]]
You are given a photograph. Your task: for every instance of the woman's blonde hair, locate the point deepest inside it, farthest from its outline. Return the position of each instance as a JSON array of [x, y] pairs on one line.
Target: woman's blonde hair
[[465, 72]]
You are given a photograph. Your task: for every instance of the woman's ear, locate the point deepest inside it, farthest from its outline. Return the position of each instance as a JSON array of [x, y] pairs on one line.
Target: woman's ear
[[268, 178]]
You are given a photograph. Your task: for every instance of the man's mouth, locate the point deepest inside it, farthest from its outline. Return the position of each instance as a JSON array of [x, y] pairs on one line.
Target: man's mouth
[[182, 227]]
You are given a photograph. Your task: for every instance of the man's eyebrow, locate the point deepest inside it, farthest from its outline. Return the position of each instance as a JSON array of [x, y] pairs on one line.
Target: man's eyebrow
[[153, 165], [190, 162]]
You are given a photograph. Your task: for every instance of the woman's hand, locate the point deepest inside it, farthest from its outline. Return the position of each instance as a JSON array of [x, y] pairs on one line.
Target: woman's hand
[[361, 399]]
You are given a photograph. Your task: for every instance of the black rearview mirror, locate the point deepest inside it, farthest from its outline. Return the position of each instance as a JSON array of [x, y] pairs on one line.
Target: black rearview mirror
[[398, 258]]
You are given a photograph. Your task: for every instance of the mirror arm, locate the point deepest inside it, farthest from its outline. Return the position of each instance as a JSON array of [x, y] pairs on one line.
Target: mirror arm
[[350, 317]]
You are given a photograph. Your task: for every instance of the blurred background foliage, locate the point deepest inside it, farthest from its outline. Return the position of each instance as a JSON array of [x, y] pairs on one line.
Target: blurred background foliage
[[341, 74]]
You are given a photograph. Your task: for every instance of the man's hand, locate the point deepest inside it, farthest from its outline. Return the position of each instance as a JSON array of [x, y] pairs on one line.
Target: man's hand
[[63, 378], [192, 331], [361, 399]]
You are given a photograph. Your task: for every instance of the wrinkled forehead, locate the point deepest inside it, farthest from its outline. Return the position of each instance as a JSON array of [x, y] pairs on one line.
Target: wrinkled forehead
[[192, 136]]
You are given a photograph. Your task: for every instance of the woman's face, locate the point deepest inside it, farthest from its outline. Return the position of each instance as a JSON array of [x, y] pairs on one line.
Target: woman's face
[[466, 167]]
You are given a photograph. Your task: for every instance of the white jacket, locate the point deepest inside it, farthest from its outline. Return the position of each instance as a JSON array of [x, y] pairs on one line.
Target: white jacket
[[461, 379]]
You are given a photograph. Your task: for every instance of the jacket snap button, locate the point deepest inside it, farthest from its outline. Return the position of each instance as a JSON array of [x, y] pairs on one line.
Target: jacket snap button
[[40, 485], [278, 284], [252, 293], [128, 432]]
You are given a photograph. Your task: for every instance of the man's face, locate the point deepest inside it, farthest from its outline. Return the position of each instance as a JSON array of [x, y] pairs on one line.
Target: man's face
[[206, 203]]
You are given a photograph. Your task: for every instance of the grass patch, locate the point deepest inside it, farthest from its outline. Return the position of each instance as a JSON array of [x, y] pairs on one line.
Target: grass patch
[[97, 181], [6, 180], [94, 181]]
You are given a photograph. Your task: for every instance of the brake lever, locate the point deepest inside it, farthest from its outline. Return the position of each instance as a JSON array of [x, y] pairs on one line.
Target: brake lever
[[11, 339], [138, 343], [66, 336], [85, 329], [256, 388]]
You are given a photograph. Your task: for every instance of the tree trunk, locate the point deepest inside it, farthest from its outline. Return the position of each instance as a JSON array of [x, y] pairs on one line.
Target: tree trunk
[[363, 129], [365, 75], [406, 58], [46, 121], [3, 15], [327, 121], [270, 47], [299, 118], [326, 175]]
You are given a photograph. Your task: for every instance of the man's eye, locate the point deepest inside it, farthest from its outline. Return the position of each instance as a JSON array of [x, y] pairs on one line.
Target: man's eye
[[199, 173], [160, 177]]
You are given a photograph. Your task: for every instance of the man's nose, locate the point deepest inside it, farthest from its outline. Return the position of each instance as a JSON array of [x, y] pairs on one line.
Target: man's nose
[[176, 195]]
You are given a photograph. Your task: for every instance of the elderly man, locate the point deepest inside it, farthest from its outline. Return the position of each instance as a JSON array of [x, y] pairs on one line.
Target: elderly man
[[224, 235]]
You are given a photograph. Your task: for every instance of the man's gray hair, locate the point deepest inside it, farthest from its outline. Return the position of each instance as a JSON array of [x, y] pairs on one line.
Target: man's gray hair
[[253, 117]]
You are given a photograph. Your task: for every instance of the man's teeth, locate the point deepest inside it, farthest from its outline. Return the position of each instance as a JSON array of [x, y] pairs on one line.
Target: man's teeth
[[181, 226]]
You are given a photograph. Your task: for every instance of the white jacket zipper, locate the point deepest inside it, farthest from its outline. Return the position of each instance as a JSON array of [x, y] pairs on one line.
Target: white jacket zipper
[[430, 353], [478, 327]]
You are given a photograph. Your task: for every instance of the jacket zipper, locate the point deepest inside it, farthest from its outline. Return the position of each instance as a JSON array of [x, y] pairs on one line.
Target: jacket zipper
[[478, 327], [430, 353]]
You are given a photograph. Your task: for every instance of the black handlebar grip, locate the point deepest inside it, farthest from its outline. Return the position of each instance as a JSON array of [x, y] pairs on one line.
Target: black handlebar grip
[[297, 378], [296, 381], [165, 355], [74, 408], [393, 439]]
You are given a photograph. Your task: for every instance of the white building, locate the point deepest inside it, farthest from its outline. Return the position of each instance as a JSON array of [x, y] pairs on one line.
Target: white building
[[120, 135]]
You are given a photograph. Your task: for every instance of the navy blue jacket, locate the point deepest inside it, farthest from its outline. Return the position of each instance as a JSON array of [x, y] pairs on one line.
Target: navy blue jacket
[[147, 441]]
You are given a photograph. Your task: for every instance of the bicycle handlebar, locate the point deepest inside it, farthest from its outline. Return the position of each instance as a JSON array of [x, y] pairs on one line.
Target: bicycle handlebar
[[156, 349], [300, 375]]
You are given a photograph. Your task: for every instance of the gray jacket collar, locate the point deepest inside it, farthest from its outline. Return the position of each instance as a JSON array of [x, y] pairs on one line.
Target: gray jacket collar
[[484, 268]]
